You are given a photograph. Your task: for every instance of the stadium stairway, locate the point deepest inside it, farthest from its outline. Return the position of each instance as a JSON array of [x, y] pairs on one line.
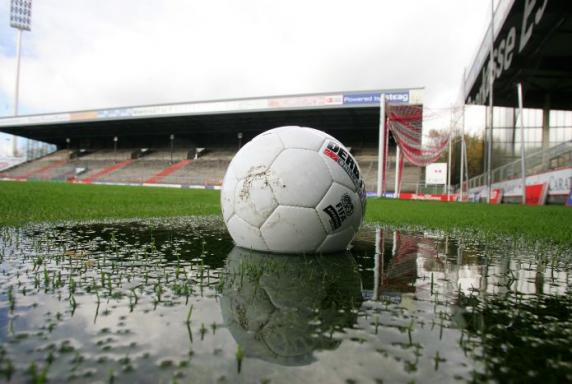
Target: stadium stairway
[[208, 170], [167, 171], [105, 171], [136, 172]]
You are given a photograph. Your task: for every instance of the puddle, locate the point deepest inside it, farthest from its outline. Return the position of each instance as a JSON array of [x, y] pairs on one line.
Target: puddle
[[174, 300]]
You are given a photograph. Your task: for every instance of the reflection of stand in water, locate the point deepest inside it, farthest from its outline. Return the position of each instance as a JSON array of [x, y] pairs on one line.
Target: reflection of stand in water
[[396, 272]]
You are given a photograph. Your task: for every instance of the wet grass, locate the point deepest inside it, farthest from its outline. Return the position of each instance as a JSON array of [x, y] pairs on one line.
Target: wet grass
[[171, 300], [547, 223], [22, 203]]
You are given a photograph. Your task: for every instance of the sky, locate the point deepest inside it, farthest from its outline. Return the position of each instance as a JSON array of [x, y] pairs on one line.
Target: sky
[[86, 54]]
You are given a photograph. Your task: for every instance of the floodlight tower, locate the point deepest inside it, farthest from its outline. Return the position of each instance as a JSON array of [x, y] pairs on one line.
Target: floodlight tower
[[21, 19]]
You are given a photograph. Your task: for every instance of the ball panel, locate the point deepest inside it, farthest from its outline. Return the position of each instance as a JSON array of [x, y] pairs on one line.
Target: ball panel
[[338, 241], [256, 156], [304, 178], [293, 230], [339, 209], [253, 198], [357, 218], [245, 235], [303, 138], [227, 194]]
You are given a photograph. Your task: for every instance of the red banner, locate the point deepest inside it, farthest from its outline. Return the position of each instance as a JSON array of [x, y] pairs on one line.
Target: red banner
[[496, 196], [427, 196], [536, 194]]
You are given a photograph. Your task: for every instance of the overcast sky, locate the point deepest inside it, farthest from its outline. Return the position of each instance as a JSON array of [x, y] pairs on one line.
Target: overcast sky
[[85, 54]]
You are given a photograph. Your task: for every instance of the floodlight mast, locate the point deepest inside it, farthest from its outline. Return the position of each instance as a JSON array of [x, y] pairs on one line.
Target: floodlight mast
[[21, 19]]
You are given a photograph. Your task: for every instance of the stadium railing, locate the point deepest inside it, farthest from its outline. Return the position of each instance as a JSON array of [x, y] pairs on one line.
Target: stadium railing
[[549, 159]]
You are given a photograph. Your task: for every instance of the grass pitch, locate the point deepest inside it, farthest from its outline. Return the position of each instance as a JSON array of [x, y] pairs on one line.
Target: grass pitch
[[21, 203], [552, 223]]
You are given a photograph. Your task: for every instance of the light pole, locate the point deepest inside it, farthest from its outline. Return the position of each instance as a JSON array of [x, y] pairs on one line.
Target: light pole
[[68, 143], [21, 19], [491, 105], [172, 138], [115, 139]]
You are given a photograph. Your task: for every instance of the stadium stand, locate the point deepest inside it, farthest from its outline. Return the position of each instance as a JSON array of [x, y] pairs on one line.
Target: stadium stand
[[191, 144], [154, 167]]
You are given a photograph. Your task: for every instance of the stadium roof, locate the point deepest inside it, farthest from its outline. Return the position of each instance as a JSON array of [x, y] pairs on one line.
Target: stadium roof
[[532, 46], [336, 110]]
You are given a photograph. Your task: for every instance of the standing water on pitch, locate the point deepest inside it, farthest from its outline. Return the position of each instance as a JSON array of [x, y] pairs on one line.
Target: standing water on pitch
[[174, 300]]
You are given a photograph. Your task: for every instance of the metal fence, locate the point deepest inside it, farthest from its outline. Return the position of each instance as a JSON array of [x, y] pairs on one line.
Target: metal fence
[[552, 158]]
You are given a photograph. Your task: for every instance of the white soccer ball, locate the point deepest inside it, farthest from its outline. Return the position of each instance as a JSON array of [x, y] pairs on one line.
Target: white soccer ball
[[293, 190]]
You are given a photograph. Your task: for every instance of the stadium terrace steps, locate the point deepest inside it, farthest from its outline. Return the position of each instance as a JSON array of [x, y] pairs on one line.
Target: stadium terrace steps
[[106, 171], [116, 155], [203, 172], [369, 165], [35, 169], [167, 171], [136, 172], [44, 172], [178, 155], [40, 167], [63, 154]]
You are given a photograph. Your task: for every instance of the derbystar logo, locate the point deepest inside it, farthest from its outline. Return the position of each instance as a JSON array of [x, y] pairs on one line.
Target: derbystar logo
[[345, 160], [338, 214]]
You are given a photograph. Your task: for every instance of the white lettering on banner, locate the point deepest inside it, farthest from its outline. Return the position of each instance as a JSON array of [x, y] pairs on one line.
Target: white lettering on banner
[[527, 27], [504, 51]]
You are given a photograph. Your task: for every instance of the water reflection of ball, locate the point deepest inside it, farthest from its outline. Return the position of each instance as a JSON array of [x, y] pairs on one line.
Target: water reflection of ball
[[281, 308], [293, 190]]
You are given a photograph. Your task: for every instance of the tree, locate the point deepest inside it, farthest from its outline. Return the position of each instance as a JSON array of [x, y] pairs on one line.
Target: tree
[[475, 152]]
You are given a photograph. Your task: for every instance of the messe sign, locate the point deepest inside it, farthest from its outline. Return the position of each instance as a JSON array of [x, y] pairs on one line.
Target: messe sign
[[436, 174], [510, 45]]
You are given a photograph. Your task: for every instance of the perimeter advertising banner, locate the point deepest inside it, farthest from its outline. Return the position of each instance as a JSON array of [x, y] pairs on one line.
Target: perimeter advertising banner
[[260, 104], [536, 194], [436, 174]]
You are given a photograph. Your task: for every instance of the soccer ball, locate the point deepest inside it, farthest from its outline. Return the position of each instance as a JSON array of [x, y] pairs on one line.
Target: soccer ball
[[293, 190]]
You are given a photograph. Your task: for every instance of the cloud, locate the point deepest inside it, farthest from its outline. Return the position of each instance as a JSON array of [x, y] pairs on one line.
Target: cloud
[[84, 54]]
